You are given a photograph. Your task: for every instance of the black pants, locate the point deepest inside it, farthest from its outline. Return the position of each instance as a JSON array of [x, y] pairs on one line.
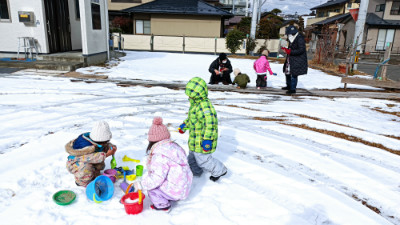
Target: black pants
[[261, 81], [225, 78]]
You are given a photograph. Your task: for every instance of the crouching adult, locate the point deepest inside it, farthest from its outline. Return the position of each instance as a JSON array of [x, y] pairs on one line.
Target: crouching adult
[[221, 70]]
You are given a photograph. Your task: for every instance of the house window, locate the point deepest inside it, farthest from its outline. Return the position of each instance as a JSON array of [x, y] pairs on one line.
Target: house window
[[385, 36], [395, 10], [380, 8], [336, 10], [4, 12], [96, 17], [77, 12], [349, 5], [143, 27]]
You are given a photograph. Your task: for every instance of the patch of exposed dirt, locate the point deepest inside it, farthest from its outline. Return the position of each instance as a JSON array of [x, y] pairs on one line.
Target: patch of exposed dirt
[[373, 208], [356, 90], [392, 136], [386, 112], [331, 69], [326, 121], [344, 136], [241, 107], [270, 118], [83, 76]]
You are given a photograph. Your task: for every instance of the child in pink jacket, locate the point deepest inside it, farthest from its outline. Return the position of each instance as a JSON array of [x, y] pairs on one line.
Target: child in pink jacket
[[261, 65], [168, 177]]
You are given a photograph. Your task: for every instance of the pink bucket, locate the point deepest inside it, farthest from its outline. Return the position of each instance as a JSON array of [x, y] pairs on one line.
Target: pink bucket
[[111, 173]]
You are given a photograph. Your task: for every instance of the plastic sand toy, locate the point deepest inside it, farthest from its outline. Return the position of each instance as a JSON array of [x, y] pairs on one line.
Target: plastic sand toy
[[64, 197]]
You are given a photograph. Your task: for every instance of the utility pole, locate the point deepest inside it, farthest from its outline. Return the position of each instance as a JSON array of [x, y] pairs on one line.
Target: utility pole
[[233, 7], [254, 22], [247, 8], [359, 30]]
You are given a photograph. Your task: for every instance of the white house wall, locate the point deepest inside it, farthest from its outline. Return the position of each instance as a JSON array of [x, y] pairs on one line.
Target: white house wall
[[10, 31], [93, 41], [76, 37]]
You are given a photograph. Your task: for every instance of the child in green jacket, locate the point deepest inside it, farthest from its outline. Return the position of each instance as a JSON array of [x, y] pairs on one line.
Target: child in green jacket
[[202, 124], [241, 79]]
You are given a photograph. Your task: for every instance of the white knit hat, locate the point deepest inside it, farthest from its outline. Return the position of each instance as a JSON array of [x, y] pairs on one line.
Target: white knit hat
[[236, 71], [100, 132]]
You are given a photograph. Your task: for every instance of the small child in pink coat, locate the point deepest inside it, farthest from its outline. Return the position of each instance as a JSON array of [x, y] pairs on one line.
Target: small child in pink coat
[[261, 65], [168, 177]]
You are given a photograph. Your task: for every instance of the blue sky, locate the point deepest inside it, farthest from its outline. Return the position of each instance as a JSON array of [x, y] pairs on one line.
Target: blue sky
[[292, 6]]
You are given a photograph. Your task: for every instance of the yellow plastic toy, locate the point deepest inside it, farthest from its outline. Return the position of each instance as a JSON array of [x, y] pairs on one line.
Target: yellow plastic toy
[[140, 196], [125, 167], [131, 177], [127, 159]]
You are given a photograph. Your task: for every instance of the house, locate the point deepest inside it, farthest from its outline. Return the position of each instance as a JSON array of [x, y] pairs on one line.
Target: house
[[332, 8], [237, 7], [192, 18], [382, 26], [55, 27], [342, 28]]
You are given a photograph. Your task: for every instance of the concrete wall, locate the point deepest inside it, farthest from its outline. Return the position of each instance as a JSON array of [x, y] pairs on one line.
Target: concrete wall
[[179, 25], [192, 44], [372, 37], [349, 27], [124, 5], [387, 15], [93, 41], [10, 31], [76, 34]]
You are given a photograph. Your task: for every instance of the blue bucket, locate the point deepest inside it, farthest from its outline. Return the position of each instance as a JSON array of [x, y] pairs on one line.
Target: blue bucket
[[101, 189]]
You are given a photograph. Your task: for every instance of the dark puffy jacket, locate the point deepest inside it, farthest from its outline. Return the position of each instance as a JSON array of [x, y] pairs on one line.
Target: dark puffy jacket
[[298, 57], [216, 63]]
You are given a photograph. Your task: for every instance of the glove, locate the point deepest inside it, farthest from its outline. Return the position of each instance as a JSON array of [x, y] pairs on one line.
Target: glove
[[181, 128], [207, 145], [287, 50]]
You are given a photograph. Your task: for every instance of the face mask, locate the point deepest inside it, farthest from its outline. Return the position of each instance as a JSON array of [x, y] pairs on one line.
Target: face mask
[[291, 37], [224, 61]]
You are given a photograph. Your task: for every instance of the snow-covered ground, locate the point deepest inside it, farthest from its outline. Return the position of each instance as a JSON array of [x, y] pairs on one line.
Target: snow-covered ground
[[160, 66], [279, 171]]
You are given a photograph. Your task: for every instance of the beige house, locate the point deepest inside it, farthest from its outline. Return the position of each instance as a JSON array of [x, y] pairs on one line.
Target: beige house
[[332, 8], [117, 5], [190, 18], [382, 25]]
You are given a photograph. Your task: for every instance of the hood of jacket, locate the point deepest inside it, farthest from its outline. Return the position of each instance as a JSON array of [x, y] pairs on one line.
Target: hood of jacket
[[90, 147], [196, 89]]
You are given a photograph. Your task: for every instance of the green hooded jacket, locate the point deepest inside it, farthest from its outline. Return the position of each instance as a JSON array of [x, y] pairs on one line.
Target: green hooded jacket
[[241, 80], [202, 121]]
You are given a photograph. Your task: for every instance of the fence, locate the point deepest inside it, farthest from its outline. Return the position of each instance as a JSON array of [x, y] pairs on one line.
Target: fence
[[188, 44]]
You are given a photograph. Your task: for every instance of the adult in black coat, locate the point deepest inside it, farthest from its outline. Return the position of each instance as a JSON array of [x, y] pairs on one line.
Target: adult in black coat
[[221, 70], [296, 63]]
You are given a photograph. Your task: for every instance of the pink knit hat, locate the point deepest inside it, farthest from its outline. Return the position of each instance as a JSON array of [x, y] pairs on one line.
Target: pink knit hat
[[158, 131]]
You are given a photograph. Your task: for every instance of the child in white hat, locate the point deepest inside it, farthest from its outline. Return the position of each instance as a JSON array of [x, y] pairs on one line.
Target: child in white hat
[[241, 79], [87, 153]]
